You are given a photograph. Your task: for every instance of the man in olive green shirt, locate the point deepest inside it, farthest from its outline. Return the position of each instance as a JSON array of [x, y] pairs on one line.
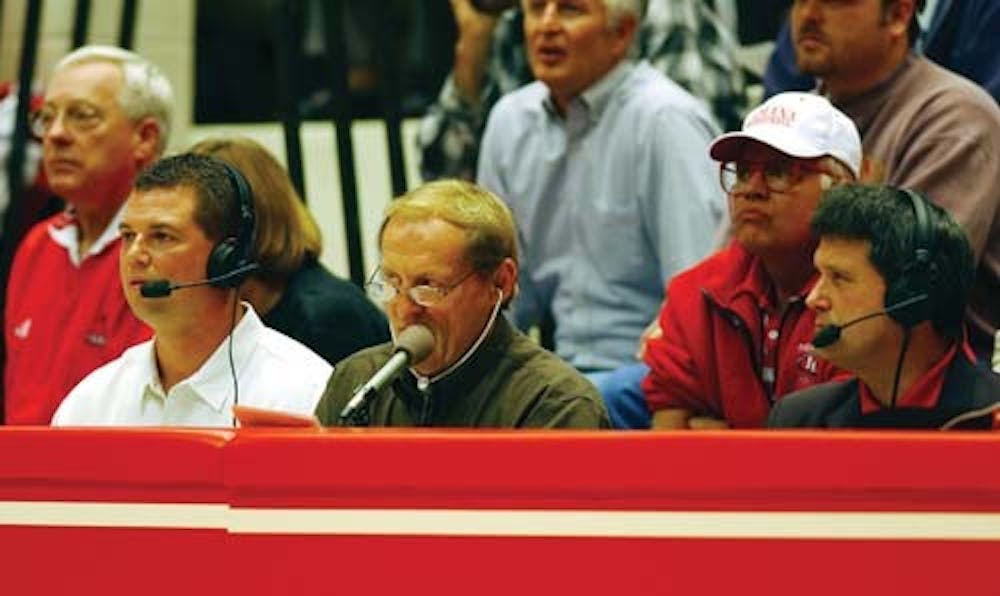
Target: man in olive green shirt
[[449, 263]]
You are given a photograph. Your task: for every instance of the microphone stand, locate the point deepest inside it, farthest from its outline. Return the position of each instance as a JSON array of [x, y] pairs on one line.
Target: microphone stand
[[358, 416], [413, 345]]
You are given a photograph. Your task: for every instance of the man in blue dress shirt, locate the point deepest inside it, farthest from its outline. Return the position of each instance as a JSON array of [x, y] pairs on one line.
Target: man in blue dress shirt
[[603, 161]]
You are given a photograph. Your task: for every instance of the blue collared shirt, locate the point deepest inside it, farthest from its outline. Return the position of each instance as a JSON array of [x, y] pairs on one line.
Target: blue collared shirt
[[611, 201], [684, 39]]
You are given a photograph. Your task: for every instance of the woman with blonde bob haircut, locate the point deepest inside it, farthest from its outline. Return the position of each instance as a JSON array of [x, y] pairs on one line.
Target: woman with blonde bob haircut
[[293, 292]]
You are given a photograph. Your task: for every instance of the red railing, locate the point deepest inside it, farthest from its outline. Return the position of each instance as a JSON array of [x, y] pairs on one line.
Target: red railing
[[287, 512]]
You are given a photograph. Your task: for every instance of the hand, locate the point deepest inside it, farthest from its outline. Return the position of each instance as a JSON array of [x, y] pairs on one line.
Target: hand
[[671, 419], [471, 22], [679, 418], [475, 33], [707, 423]]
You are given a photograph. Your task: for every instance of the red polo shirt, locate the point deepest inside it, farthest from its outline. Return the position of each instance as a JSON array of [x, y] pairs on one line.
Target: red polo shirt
[[926, 391], [63, 318]]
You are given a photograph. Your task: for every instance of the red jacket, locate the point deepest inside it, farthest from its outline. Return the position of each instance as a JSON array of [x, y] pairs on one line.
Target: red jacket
[[61, 322], [709, 358]]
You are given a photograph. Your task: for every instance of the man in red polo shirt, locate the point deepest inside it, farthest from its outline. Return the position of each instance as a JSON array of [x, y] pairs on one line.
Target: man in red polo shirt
[[105, 117], [894, 275]]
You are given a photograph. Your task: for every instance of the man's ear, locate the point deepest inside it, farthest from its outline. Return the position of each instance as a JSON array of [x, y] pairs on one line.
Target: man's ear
[[505, 279], [897, 16], [147, 140], [625, 32], [872, 171]]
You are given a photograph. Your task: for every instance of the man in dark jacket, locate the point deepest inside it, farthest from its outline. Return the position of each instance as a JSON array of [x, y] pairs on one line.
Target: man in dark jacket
[[449, 263], [895, 271]]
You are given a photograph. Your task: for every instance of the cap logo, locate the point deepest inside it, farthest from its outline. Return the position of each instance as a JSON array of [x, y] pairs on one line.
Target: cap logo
[[776, 115]]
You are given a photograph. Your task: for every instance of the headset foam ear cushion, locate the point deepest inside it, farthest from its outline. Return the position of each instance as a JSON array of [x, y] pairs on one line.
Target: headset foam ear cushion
[[912, 283], [920, 274], [225, 257]]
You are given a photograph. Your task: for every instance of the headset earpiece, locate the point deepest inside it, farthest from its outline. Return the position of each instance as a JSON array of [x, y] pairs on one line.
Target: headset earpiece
[[920, 274], [235, 251]]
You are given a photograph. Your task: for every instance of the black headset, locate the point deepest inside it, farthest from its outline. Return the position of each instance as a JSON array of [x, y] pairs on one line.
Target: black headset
[[920, 274], [235, 251]]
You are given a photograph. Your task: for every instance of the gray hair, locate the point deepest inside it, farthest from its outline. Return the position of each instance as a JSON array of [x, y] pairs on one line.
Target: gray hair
[[145, 91], [838, 169], [837, 173], [618, 9]]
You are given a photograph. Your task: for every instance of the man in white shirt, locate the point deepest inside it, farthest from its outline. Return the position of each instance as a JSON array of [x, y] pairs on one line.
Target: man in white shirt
[[189, 223]]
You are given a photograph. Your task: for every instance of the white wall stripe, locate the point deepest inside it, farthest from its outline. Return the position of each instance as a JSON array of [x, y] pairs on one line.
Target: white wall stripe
[[620, 524], [211, 516], [511, 523]]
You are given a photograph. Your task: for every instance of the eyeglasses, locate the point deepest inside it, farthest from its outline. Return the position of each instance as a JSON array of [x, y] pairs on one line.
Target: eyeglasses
[[77, 117], [381, 290], [779, 175]]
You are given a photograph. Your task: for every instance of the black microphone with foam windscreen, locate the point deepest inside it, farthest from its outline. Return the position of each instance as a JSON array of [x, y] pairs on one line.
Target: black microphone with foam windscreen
[[161, 288], [412, 346], [830, 334]]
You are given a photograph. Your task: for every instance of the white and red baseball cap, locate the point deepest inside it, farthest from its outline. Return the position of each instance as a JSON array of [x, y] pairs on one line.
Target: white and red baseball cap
[[798, 124]]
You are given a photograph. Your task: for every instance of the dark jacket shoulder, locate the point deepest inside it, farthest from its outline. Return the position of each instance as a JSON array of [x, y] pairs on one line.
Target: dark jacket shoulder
[[816, 406], [967, 388], [331, 316]]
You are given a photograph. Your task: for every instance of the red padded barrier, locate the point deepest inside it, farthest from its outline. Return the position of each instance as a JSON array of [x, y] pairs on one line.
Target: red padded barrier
[[374, 512], [48, 475], [621, 470]]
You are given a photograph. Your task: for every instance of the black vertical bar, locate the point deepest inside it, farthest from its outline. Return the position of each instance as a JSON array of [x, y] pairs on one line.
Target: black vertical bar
[[390, 93], [336, 56], [15, 162], [81, 22], [126, 29], [289, 59]]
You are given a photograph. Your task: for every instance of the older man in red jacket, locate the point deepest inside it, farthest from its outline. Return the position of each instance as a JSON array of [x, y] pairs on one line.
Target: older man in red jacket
[[735, 330]]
